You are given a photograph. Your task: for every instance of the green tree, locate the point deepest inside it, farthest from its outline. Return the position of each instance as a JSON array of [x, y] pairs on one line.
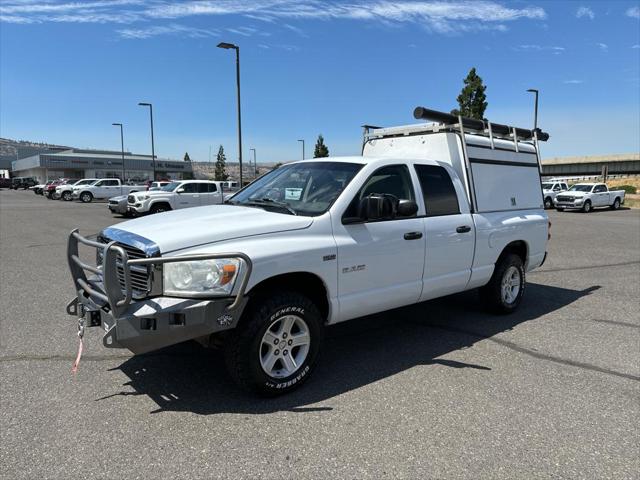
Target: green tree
[[321, 149], [472, 99], [187, 158], [277, 165], [220, 173]]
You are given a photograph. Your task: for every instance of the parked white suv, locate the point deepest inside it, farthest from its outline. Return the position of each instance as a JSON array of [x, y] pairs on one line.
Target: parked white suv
[[550, 189], [318, 242], [174, 196], [65, 192]]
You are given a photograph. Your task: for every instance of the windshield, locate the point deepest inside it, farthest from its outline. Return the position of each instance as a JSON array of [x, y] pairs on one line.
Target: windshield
[[306, 188], [547, 186], [169, 187], [581, 188]]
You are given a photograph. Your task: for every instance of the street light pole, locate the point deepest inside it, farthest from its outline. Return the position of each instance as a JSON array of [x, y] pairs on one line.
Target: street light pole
[[122, 152], [535, 119], [153, 152], [302, 148], [228, 46], [255, 165]]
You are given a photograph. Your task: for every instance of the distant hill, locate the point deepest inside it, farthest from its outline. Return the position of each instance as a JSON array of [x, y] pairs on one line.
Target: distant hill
[[11, 150]]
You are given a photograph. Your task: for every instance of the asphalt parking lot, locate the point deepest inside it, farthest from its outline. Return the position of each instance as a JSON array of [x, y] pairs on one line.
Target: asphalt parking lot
[[437, 390]]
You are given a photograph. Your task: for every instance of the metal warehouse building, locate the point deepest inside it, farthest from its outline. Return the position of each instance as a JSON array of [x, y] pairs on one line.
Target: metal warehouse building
[[78, 163], [623, 164]]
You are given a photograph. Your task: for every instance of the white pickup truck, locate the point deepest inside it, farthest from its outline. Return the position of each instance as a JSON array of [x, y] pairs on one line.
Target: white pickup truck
[[552, 188], [176, 195], [587, 196], [428, 210], [102, 189]]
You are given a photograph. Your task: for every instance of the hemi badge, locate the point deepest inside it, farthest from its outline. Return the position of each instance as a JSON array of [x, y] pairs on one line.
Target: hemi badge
[[326, 258]]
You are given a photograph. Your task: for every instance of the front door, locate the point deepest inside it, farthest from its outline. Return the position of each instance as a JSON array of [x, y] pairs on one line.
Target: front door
[[189, 196], [380, 262]]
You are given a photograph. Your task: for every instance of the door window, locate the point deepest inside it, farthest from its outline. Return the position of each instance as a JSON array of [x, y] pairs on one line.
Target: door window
[[391, 180], [440, 196], [202, 187], [212, 187], [190, 187], [600, 189]]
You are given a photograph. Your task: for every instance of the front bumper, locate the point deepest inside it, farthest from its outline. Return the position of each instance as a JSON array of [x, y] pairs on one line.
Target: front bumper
[[153, 322]]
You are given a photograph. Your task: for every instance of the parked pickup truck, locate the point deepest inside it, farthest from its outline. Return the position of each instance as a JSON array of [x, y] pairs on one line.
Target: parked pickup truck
[[587, 196], [102, 189], [321, 241], [550, 189], [65, 192], [176, 195]]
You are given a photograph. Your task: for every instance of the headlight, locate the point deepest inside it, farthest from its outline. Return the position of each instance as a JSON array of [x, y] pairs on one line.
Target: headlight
[[200, 277]]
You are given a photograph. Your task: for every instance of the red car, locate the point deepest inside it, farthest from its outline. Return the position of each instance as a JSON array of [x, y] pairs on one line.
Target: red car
[[49, 190]]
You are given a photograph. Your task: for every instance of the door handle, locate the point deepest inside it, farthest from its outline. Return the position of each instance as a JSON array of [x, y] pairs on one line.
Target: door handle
[[412, 235], [463, 229]]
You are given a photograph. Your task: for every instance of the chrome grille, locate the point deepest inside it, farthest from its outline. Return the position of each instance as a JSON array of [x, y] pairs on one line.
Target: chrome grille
[[113, 202], [564, 198]]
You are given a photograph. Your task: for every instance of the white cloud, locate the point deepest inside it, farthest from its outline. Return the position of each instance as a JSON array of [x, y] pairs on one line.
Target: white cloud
[[603, 47], [438, 16], [174, 29], [633, 12], [539, 48], [585, 12], [635, 46], [573, 82]]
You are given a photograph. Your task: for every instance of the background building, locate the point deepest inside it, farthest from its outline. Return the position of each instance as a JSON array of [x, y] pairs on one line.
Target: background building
[[80, 163], [622, 164]]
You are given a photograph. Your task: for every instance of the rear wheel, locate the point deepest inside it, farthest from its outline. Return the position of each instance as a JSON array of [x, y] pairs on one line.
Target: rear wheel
[[66, 196], [275, 348], [86, 197], [548, 203], [586, 208], [616, 204], [505, 290]]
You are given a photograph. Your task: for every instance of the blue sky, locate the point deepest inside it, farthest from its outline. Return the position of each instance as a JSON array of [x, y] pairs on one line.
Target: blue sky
[[68, 69]]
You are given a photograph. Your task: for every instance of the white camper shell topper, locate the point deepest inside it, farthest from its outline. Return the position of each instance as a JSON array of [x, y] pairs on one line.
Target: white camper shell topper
[[428, 210]]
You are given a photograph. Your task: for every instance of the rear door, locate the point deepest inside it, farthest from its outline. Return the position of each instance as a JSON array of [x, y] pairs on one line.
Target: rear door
[[107, 189], [450, 234], [380, 262], [189, 196]]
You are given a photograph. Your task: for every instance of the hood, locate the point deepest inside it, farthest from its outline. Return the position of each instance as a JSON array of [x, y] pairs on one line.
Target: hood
[[574, 193], [190, 227], [151, 193]]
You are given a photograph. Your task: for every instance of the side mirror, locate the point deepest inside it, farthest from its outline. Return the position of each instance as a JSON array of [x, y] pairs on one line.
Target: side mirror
[[377, 207], [180, 190], [407, 208]]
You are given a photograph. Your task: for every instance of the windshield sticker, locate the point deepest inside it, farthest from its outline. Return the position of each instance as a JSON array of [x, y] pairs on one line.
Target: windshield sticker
[[292, 193]]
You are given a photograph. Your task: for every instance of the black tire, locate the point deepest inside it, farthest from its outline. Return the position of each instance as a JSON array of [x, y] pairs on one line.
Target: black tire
[[560, 209], [159, 208], [616, 204], [67, 196], [86, 197], [492, 293], [586, 207], [548, 203], [243, 346]]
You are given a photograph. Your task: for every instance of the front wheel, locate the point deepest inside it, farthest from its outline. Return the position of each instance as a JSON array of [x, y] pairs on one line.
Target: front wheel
[[67, 196], [276, 345], [586, 208], [548, 203], [505, 290]]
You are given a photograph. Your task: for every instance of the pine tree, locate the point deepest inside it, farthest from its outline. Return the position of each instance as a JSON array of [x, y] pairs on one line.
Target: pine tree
[[220, 174], [472, 99], [187, 158], [321, 149]]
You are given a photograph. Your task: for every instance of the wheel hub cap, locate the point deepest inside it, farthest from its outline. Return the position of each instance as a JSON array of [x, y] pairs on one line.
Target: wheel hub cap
[[284, 346], [510, 285]]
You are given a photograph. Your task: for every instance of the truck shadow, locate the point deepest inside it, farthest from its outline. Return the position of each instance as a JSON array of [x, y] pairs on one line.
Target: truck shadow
[[187, 377]]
